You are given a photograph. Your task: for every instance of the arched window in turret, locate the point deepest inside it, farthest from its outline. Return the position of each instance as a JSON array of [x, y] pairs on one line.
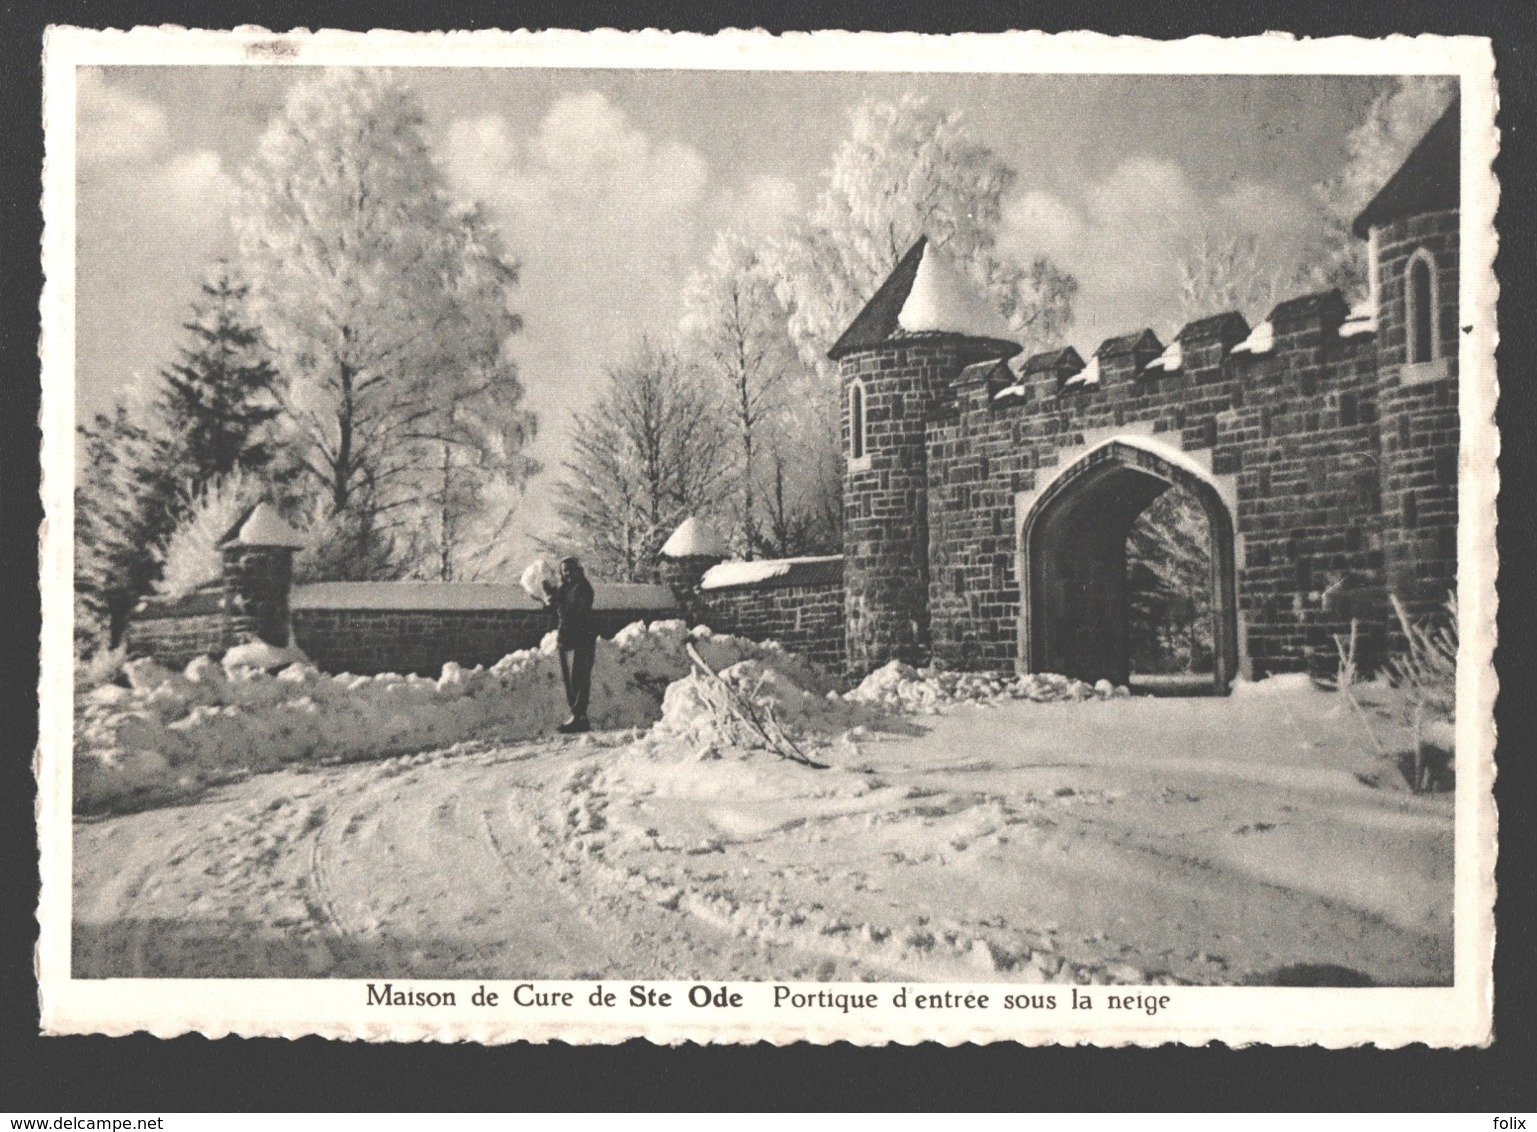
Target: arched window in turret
[[1420, 305], [857, 420]]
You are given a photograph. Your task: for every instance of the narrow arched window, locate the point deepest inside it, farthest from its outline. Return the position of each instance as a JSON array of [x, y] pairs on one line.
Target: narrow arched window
[[1420, 308], [857, 420]]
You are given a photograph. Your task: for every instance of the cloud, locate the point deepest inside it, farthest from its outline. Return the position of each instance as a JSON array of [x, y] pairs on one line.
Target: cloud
[[1125, 235], [114, 124], [150, 218], [606, 222], [760, 208]]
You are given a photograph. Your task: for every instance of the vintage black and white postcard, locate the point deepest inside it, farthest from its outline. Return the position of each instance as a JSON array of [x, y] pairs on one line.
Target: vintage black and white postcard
[[821, 537]]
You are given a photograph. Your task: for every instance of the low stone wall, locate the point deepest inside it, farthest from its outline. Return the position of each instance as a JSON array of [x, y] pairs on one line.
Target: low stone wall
[[417, 627], [803, 610], [374, 627], [177, 632]]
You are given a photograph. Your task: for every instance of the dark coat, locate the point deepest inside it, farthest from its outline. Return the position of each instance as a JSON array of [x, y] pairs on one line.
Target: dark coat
[[572, 603]]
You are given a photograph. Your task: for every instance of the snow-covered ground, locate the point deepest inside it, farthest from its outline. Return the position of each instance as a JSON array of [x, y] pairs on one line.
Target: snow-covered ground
[[966, 829]]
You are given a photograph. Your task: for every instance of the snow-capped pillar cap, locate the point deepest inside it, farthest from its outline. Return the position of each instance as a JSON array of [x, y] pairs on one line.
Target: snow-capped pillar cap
[[693, 539], [262, 526]]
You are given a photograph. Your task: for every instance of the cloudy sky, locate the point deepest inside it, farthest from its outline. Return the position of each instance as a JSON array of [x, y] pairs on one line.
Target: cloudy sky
[[607, 186]]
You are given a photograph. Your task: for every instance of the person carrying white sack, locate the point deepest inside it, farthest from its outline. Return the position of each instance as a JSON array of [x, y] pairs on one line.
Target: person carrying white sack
[[576, 634]]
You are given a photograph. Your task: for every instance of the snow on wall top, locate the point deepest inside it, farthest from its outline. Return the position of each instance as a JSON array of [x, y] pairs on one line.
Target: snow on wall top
[[265, 527], [466, 595], [942, 300], [693, 539], [789, 570]]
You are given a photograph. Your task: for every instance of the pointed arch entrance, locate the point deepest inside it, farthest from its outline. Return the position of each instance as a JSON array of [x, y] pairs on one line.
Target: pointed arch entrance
[[1073, 564]]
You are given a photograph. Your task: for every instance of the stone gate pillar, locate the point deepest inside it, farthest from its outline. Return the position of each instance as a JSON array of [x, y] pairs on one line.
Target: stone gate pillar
[[258, 554], [684, 560]]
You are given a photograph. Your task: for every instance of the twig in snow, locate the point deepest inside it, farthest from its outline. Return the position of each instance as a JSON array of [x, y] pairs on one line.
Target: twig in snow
[[765, 726], [1347, 679]]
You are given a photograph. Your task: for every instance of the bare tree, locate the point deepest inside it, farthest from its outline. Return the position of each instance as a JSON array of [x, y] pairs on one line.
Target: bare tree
[[651, 452]]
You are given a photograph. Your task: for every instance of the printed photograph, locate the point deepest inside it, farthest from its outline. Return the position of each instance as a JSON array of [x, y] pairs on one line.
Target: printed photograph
[[796, 526]]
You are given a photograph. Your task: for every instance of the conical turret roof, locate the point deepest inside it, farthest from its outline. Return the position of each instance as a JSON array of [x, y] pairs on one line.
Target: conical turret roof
[[925, 294]]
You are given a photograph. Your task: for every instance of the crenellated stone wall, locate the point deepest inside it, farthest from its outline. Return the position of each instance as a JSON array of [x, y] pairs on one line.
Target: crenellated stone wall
[[1289, 437]]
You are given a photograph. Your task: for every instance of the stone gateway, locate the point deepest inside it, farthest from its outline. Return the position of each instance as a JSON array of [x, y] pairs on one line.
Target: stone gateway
[[987, 508]]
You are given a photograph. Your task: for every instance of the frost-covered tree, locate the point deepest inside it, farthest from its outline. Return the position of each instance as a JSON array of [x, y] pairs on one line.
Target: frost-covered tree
[[652, 451], [738, 331], [1227, 271], [908, 169], [1168, 557], [193, 555], [387, 308], [1374, 150]]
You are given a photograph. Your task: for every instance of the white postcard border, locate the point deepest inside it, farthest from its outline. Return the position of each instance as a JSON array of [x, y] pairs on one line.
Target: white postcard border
[[1459, 1015]]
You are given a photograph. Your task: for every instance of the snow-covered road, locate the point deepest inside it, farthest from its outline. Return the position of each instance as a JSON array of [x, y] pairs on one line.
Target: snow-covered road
[[1130, 841]]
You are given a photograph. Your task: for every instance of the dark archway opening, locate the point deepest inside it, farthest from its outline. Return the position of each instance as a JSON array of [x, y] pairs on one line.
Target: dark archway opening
[[1125, 578]]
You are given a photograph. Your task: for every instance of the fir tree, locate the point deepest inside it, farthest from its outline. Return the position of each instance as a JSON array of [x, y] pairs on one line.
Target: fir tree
[[125, 509], [148, 458], [220, 396]]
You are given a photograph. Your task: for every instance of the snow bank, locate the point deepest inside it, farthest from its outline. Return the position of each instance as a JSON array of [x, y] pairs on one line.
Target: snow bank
[[170, 733], [1280, 684], [259, 654], [774, 691], [901, 687]]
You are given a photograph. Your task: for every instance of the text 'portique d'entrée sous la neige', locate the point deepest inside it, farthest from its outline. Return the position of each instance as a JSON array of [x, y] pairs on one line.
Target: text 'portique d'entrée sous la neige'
[[778, 996]]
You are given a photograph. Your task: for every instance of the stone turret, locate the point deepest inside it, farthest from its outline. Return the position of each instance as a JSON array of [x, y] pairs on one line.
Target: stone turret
[[258, 552], [896, 364], [1412, 231]]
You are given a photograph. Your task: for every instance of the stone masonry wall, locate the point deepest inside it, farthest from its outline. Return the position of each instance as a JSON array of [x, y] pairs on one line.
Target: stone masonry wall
[[257, 580], [885, 508], [177, 632], [370, 641], [806, 619], [1296, 428], [1420, 432]]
